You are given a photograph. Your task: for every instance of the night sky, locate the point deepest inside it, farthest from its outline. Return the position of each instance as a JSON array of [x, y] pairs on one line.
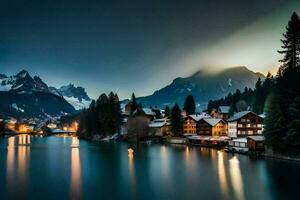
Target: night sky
[[138, 45]]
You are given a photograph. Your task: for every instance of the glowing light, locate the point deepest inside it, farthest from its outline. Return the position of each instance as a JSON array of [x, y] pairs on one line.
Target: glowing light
[[130, 152], [23, 128]]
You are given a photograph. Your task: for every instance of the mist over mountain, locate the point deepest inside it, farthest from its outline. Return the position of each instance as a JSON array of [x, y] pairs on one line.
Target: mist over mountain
[[204, 86]]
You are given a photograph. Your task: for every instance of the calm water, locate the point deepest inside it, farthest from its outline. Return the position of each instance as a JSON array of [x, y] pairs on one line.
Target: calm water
[[48, 168]]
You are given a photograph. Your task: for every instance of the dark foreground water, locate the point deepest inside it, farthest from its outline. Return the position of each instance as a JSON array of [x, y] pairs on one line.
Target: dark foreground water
[[48, 168]]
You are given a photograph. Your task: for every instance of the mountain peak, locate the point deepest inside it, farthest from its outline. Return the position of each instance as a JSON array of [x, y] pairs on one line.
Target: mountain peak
[[204, 85], [77, 96], [23, 73]]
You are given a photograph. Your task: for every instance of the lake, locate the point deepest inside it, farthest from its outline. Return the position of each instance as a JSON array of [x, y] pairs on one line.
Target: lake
[[52, 167]]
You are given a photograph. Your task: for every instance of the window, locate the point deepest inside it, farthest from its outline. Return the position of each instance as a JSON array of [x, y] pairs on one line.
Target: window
[[240, 125], [259, 125], [259, 132], [248, 125], [250, 132], [243, 120]]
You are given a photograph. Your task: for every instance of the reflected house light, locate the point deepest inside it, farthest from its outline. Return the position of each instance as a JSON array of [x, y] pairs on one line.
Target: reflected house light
[[75, 142], [75, 192], [131, 170], [222, 174], [10, 161], [236, 178]]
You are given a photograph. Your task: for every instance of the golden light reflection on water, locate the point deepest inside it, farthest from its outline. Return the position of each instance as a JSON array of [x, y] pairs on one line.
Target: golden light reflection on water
[[23, 159], [188, 160], [164, 161], [222, 174], [236, 178], [10, 161], [131, 171], [75, 170]]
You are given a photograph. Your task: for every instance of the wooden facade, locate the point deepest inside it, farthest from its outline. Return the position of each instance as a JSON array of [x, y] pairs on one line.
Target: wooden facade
[[189, 125], [212, 127]]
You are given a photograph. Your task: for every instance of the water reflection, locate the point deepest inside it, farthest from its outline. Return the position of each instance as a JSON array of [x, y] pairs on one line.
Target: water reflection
[[24, 139], [222, 174], [236, 178], [164, 161], [131, 171], [10, 161], [188, 160], [75, 170]]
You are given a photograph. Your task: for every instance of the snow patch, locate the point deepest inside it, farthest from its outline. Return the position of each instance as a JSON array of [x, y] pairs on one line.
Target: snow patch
[[78, 105], [15, 106]]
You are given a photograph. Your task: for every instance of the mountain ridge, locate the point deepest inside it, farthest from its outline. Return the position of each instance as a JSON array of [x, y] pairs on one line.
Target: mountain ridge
[[203, 85]]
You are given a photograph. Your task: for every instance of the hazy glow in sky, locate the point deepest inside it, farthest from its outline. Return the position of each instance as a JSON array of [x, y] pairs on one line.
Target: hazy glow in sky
[[137, 45]]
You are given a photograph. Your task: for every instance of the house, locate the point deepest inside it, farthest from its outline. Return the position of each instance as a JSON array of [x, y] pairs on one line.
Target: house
[[190, 123], [243, 124], [238, 144], [159, 127], [222, 112], [256, 143], [212, 127], [145, 112]]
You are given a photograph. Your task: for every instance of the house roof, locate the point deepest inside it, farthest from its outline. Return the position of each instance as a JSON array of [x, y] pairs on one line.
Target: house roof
[[212, 121], [197, 117], [240, 140], [224, 109], [257, 138], [239, 115], [148, 111], [158, 123]]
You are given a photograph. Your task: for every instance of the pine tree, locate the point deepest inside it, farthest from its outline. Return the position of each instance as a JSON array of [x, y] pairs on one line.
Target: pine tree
[[258, 96], [176, 120], [274, 124], [283, 109], [134, 104], [189, 105], [291, 46], [167, 112]]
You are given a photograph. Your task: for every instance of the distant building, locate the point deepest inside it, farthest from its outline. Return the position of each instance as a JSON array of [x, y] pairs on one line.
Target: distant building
[[222, 112], [243, 124], [212, 127], [159, 127], [145, 112]]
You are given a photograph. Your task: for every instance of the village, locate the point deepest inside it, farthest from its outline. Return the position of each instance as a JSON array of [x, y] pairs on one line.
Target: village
[[241, 132]]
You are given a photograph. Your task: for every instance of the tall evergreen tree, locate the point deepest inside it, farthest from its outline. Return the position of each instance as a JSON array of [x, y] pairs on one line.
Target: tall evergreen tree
[[176, 120], [258, 97], [286, 96], [167, 111], [291, 45], [134, 104], [189, 105]]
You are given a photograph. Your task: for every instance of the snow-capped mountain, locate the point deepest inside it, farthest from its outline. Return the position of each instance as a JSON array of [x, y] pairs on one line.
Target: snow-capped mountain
[[76, 96], [22, 95], [22, 82]]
